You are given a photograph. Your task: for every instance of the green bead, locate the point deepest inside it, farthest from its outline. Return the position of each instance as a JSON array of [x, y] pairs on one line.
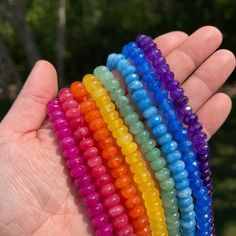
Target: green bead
[[137, 127], [172, 209], [169, 202], [116, 93], [131, 118], [105, 77], [126, 110], [158, 163], [174, 225], [148, 146], [112, 85], [122, 101], [142, 137], [153, 154], [103, 73], [167, 184], [162, 174], [171, 218], [168, 194]]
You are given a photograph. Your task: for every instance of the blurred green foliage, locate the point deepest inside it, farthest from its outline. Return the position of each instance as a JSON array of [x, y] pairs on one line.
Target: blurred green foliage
[[96, 28]]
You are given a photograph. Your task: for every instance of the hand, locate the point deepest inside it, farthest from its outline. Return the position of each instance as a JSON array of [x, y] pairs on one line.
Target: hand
[[36, 196]]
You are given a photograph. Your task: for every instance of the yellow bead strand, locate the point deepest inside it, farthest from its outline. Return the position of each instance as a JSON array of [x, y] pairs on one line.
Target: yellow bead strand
[[133, 157]]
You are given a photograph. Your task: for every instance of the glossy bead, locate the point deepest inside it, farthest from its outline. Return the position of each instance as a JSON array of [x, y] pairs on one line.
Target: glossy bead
[[132, 201], [103, 180], [120, 221], [115, 211], [136, 212], [111, 200], [107, 190]]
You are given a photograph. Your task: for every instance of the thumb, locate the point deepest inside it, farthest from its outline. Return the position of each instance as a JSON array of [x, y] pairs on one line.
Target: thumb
[[29, 109]]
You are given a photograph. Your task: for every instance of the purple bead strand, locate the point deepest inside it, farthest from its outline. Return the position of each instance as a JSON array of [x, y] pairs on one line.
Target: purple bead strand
[[189, 118], [78, 170]]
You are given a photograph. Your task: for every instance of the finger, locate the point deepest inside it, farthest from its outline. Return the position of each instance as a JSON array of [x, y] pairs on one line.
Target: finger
[[169, 41], [214, 112], [209, 77], [29, 110], [193, 51], [166, 42]]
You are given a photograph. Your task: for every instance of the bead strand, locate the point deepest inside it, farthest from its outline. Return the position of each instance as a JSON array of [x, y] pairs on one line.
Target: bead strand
[[183, 109], [99, 172], [160, 95], [78, 170], [147, 145], [132, 156], [114, 160], [162, 136]]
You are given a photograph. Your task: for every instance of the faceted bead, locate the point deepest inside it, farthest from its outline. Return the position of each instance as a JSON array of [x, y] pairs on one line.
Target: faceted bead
[[136, 212], [127, 230], [96, 210], [62, 133], [173, 156], [72, 113], [148, 146], [159, 130], [128, 191], [137, 127], [153, 154], [78, 171], [90, 152], [86, 143], [158, 163], [154, 121], [78, 122], [129, 148], [115, 210], [103, 180], [71, 152], [150, 112], [169, 147], [100, 220], [107, 190], [145, 103], [85, 190], [111, 200], [83, 180], [162, 174], [167, 184], [98, 171], [72, 163], [132, 201], [67, 142], [142, 136], [56, 115], [131, 77], [60, 124], [81, 132], [134, 86], [92, 199], [122, 181], [106, 229]]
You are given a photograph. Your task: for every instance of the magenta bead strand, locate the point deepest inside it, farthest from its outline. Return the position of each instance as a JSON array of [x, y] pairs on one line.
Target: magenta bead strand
[[102, 179], [78, 170]]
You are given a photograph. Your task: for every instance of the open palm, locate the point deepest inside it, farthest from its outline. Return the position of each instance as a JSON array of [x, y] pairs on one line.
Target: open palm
[[36, 196]]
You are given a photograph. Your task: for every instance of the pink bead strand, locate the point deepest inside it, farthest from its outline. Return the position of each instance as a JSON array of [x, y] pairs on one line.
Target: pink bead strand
[[79, 171], [103, 180]]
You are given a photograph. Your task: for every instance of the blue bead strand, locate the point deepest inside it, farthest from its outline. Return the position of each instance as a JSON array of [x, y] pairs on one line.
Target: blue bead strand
[[203, 211], [160, 132]]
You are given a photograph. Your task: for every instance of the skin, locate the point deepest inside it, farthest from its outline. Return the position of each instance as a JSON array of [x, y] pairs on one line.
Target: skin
[[36, 196]]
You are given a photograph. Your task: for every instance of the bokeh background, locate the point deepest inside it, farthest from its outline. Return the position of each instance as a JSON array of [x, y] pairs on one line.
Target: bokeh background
[[77, 35]]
